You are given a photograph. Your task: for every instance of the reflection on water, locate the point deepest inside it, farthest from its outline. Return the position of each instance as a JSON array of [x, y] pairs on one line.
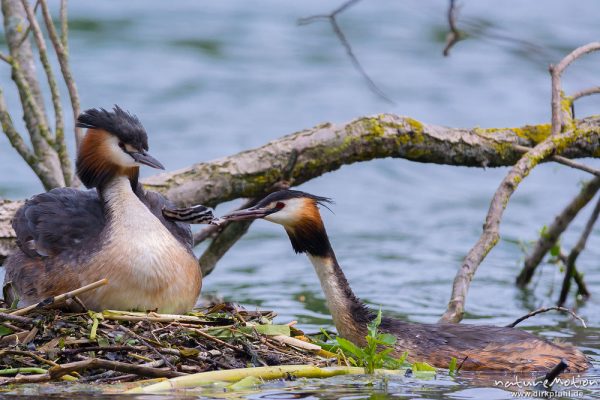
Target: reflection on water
[[209, 79]]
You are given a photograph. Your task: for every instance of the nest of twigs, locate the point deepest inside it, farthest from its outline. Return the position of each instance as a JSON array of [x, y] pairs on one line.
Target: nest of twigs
[[42, 344]]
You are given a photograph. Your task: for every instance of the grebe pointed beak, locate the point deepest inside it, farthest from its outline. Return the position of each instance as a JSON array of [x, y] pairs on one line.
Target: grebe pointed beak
[[146, 159], [249, 213]]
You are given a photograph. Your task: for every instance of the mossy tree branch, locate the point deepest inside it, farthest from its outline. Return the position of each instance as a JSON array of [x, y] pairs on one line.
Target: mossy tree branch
[[48, 156], [563, 132], [59, 130], [299, 157], [325, 148], [61, 48], [24, 75]]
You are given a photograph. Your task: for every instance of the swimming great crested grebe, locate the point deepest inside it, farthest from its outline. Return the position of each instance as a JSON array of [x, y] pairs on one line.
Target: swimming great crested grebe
[[481, 347], [68, 238]]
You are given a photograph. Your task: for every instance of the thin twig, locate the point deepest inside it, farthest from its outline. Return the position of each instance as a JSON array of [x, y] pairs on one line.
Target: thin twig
[[15, 138], [490, 235], [28, 30], [332, 18], [558, 369], [586, 92], [577, 277], [543, 310], [550, 236], [16, 318], [582, 93], [64, 27], [563, 160], [63, 369], [59, 144], [30, 101], [5, 58], [507, 187], [570, 269], [62, 297], [556, 72], [214, 339], [145, 343], [454, 35], [29, 354], [63, 60]]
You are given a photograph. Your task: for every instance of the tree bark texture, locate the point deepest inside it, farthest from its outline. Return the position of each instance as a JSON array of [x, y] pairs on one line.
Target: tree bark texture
[[307, 154]]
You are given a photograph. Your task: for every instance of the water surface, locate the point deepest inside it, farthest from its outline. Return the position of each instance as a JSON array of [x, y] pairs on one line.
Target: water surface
[[209, 79]]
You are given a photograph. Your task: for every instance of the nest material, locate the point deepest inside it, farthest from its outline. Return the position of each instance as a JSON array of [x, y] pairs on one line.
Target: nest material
[[115, 346]]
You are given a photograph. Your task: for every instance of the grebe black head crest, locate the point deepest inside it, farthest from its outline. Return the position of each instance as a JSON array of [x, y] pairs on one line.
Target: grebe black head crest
[[298, 212], [116, 144]]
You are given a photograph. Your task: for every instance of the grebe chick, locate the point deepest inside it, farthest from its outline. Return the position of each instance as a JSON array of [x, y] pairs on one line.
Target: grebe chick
[[68, 238], [481, 347]]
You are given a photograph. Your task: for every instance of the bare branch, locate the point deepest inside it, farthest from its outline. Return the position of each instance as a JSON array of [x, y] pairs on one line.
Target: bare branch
[[577, 277], [490, 235], [5, 58], [98, 363], [223, 241], [63, 60], [30, 102], [46, 176], [560, 224], [570, 270], [28, 30], [327, 147], [543, 310], [13, 136], [25, 76], [224, 236], [586, 92], [302, 156], [346, 44], [454, 35], [64, 26], [59, 142], [556, 72], [564, 161]]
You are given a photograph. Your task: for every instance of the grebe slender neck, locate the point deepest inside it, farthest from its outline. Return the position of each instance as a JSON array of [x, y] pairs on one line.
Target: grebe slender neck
[[349, 314], [479, 347], [299, 214], [68, 238]]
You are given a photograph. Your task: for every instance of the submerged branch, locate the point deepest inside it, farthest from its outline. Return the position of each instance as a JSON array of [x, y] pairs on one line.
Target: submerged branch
[[563, 133], [551, 235], [570, 271]]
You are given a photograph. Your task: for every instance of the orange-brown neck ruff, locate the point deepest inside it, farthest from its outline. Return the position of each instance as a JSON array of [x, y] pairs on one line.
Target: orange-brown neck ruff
[[307, 234], [94, 166]]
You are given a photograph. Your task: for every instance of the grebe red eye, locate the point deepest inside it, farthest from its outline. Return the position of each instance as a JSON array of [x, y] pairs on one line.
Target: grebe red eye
[[279, 205]]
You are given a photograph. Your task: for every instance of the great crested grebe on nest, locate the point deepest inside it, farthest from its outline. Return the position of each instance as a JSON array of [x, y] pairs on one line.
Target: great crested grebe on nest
[[482, 347], [68, 238]]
